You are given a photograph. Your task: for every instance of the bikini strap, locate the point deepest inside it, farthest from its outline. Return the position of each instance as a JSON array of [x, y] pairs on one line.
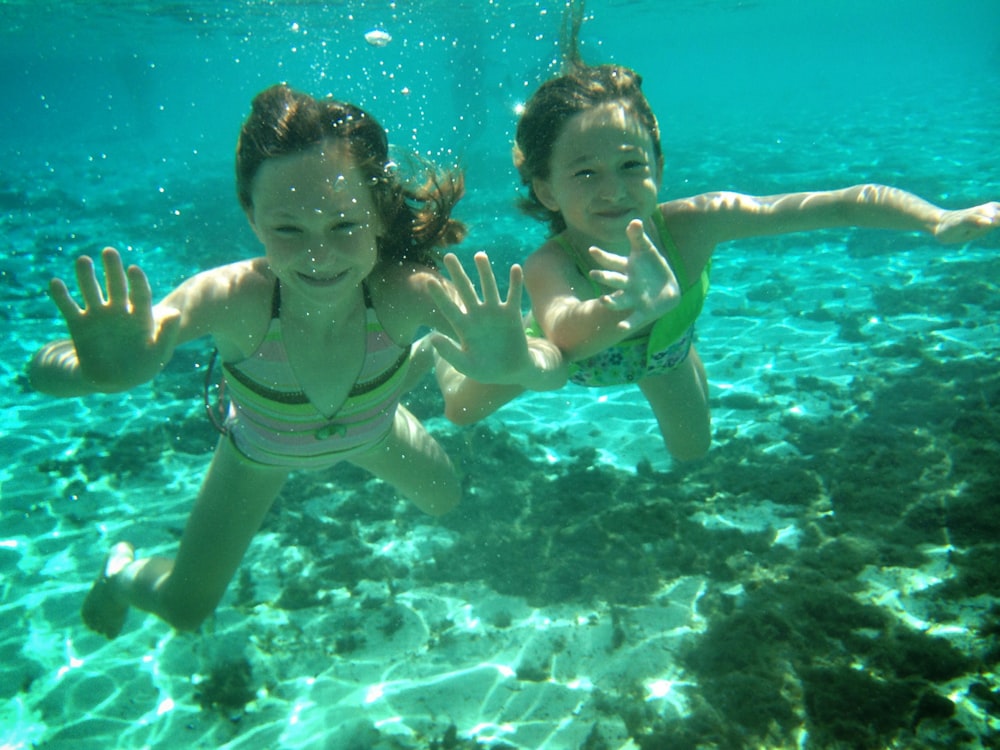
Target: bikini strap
[[276, 300], [673, 254], [582, 267]]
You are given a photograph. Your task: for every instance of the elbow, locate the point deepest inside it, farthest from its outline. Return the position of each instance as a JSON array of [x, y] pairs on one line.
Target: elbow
[[54, 371]]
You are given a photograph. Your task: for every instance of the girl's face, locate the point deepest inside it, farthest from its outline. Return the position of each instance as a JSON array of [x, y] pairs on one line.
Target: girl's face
[[315, 214], [603, 174]]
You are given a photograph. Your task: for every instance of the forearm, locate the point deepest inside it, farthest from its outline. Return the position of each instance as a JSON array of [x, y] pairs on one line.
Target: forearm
[[884, 207], [55, 371], [468, 400], [586, 327]]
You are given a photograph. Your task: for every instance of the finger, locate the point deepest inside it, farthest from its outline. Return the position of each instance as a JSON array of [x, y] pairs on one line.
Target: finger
[[64, 301], [86, 280], [616, 301], [638, 239], [488, 282], [628, 324], [140, 295], [609, 261], [515, 290], [449, 308], [461, 281], [610, 278], [449, 350], [114, 277], [167, 335]]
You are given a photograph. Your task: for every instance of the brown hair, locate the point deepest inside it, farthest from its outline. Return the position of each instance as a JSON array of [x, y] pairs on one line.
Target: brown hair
[[417, 219], [580, 87]]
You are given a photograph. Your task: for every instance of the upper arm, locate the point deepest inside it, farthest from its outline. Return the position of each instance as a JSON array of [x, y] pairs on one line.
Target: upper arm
[[223, 303], [711, 218]]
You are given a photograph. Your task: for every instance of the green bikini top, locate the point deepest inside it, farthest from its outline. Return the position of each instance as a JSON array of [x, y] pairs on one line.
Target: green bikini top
[[675, 323]]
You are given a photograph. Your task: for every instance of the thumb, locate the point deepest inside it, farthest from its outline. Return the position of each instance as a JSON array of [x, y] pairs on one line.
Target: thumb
[[168, 332], [447, 348]]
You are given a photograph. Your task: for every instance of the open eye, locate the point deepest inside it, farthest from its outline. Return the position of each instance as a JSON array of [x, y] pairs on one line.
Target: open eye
[[584, 173]]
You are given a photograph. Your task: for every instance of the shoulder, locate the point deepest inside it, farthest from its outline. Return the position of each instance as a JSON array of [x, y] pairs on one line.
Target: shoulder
[[694, 228], [230, 303], [224, 283], [401, 299], [549, 269], [548, 258]]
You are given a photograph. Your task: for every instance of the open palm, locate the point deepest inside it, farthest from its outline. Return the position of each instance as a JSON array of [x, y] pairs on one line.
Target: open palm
[[644, 283], [489, 343], [118, 341]]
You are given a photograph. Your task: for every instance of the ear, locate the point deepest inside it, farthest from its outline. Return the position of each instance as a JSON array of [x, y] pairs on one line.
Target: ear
[[543, 191]]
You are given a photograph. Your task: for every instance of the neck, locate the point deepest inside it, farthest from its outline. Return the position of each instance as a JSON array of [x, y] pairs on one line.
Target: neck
[[582, 244], [307, 313]]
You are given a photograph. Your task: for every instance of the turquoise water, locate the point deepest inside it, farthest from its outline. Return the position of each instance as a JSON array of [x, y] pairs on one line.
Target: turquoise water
[[826, 577]]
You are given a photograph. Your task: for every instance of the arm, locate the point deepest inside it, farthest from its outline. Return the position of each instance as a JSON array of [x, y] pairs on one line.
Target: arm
[[118, 339], [580, 324], [718, 217]]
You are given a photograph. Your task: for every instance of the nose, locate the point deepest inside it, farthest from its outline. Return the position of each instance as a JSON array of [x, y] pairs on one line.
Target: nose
[[321, 251], [610, 187]]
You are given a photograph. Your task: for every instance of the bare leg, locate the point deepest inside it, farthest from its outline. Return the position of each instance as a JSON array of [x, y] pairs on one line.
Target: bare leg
[[679, 399], [415, 464], [104, 608], [232, 502]]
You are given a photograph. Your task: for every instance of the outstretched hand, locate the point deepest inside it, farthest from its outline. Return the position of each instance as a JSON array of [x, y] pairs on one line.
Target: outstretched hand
[[967, 224], [643, 282], [119, 342], [489, 343]]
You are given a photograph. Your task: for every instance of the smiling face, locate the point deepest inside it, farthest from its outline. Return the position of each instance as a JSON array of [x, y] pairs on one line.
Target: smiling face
[[314, 212], [603, 173]]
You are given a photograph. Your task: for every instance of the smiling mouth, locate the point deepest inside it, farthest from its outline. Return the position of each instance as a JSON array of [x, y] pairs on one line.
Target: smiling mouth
[[322, 281], [616, 213]]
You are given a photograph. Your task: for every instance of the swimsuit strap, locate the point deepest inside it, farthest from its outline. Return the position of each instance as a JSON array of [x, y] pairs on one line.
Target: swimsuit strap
[[673, 254], [276, 300], [581, 266]]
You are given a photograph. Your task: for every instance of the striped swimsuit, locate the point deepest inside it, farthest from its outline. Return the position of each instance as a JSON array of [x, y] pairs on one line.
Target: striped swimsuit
[[271, 421]]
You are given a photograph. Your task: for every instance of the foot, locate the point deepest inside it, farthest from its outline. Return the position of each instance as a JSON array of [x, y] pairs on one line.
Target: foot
[[105, 607]]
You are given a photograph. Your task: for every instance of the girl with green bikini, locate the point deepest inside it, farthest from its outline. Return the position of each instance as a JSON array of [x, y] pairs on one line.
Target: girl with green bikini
[[620, 283]]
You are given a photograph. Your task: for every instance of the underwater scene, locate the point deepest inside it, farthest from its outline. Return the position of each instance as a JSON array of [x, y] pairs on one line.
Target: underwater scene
[[827, 576]]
